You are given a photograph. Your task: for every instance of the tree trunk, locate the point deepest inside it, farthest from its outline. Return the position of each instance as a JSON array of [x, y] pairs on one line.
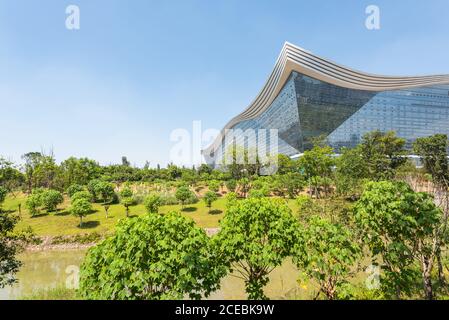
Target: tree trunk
[[427, 280], [81, 221]]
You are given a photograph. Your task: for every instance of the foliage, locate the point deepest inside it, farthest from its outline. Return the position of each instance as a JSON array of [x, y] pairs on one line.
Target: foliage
[[3, 193], [152, 203], [398, 225], [183, 194], [74, 188], [209, 198], [383, 154], [231, 185], [50, 199], [9, 248], [351, 172], [213, 185], [81, 208], [256, 236], [325, 253], [151, 257], [81, 195]]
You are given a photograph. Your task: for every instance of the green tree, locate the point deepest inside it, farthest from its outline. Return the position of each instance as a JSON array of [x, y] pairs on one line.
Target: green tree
[[398, 225], [3, 194], [106, 191], [209, 198], [231, 185], [10, 246], [34, 201], [81, 208], [183, 193], [350, 172], [127, 199], [74, 188], [213, 185], [10, 177], [79, 171], [256, 236], [326, 253], [434, 156], [316, 165], [383, 154], [151, 257], [50, 199], [81, 195], [152, 203]]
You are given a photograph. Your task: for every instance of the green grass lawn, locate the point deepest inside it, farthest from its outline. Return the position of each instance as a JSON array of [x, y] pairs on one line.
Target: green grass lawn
[[63, 223]]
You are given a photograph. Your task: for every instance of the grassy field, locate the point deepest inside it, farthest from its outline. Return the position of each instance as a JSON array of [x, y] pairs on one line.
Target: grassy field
[[63, 223]]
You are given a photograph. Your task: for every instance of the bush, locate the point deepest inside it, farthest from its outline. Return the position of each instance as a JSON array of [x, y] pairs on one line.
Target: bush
[[82, 195], [50, 199], [74, 188], [184, 195], [152, 203], [151, 257]]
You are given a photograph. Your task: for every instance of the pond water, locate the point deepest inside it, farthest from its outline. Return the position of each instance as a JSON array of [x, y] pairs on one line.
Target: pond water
[[50, 269]]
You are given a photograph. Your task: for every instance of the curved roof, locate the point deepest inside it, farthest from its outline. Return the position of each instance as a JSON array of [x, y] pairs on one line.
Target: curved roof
[[293, 58]]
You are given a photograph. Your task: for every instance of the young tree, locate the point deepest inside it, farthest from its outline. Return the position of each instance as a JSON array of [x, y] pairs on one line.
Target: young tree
[[74, 188], [152, 203], [126, 198], [81, 208], [398, 225], [34, 202], [434, 155], [350, 172], [316, 165], [9, 248], [81, 195], [214, 185], [152, 257], [209, 198], [50, 199], [326, 254], [231, 185], [3, 194], [183, 193], [383, 153], [256, 236]]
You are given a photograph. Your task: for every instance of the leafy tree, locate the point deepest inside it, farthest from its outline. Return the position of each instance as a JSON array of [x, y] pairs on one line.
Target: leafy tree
[[326, 253], [204, 169], [214, 185], [383, 154], [316, 165], [255, 237], [285, 164], [434, 155], [398, 225], [183, 193], [81, 195], [34, 201], [106, 191], [152, 203], [152, 257], [74, 188], [76, 171], [289, 185], [81, 208], [127, 199], [351, 172], [10, 177], [209, 198], [92, 186], [231, 185], [3, 194], [50, 199], [245, 186], [10, 246]]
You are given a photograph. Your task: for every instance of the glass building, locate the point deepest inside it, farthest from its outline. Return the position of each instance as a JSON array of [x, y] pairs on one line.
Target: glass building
[[307, 97]]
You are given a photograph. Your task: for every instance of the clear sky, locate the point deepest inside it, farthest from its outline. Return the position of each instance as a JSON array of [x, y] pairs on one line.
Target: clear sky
[[136, 70]]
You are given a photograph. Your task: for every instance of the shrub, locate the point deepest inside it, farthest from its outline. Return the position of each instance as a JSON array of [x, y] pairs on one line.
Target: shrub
[[151, 257], [152, 203], [50, 199], [74, 188]]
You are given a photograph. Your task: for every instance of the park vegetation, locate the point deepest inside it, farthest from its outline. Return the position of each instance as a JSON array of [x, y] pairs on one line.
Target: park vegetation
[[369, 208]]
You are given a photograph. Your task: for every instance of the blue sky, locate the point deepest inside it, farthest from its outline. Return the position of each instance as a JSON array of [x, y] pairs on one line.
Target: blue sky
[[136, 70]]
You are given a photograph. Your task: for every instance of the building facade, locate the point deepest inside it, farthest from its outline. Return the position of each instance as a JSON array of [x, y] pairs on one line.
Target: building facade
[[307, 97]]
